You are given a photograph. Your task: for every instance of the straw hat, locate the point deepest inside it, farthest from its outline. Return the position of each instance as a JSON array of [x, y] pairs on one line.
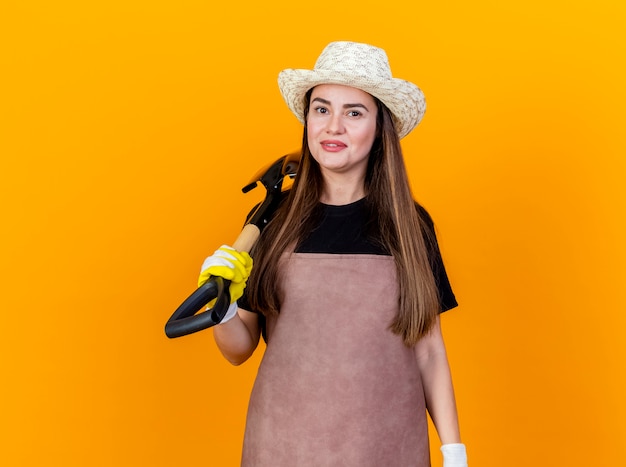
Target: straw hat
[[360, 66]]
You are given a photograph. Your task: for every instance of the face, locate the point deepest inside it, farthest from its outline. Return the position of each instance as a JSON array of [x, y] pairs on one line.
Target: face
[[341, 128]]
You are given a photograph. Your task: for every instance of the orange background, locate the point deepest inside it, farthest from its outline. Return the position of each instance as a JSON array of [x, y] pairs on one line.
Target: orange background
[[128, 128]]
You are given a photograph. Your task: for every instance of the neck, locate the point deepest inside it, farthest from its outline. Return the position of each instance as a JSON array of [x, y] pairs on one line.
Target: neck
[[339, 191]]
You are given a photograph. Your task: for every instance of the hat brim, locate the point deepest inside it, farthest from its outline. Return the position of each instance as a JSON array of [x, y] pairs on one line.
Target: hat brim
[[404, 99]]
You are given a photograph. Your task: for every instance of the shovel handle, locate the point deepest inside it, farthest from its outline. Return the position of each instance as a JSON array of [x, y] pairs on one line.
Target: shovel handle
[[186, 319], [247, 238]]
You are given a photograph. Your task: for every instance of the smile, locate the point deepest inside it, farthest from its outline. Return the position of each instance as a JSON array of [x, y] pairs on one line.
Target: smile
[[333, 145]]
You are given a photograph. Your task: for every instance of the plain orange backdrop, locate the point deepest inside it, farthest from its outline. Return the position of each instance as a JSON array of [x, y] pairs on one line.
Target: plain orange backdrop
[[127, 129]]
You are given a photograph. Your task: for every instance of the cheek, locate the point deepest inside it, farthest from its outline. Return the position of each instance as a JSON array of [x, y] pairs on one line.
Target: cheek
[[312, 132], [310, 139], [367, 138], [312, 127]]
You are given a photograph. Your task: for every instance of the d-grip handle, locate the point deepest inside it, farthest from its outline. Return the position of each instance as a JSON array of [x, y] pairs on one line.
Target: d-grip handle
[[186, 319]]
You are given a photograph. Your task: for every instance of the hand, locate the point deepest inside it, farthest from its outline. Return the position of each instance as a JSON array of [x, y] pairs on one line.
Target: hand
[[454, 455], [232, 265]]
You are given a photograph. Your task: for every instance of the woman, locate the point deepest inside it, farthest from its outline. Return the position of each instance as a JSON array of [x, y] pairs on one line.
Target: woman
[[347, 285]]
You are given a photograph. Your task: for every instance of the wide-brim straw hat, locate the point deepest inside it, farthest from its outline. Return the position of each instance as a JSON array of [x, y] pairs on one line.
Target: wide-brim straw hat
[[361, 66]]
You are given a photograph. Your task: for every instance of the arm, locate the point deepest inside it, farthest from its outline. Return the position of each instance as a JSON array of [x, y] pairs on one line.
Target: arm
[[433, 364], [238, 333], [238, 337]]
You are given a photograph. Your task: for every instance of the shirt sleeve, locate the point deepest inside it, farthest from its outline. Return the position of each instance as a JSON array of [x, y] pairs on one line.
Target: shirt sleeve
[[447, 299]]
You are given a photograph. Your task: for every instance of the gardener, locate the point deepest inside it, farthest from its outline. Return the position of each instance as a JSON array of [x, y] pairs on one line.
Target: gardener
[[347, 285]]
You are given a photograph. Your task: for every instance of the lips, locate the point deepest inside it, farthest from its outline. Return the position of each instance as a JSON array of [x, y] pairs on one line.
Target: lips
[[333, 145]]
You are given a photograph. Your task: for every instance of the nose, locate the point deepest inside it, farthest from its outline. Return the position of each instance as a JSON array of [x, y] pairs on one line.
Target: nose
[[335, 124]]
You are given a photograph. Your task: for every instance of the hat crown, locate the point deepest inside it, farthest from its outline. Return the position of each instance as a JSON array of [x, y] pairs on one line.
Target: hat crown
[[355, 59]]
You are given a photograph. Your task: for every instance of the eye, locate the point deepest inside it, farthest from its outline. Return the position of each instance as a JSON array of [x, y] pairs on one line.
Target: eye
[[321, 110], [354, 113]]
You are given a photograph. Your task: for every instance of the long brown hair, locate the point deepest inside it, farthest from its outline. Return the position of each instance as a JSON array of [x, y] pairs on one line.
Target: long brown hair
[[402, 231]]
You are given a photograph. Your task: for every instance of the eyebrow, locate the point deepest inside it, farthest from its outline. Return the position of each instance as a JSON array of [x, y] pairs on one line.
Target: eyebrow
[[345, 106]]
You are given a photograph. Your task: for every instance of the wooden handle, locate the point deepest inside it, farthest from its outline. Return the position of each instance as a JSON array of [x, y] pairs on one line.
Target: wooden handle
[[247, 238]]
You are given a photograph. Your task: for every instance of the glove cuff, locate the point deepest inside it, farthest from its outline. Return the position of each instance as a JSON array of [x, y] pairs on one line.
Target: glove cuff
[[230, 313], [454, 455]]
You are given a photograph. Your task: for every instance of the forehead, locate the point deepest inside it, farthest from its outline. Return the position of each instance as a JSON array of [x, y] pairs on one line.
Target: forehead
[[340, 94]]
